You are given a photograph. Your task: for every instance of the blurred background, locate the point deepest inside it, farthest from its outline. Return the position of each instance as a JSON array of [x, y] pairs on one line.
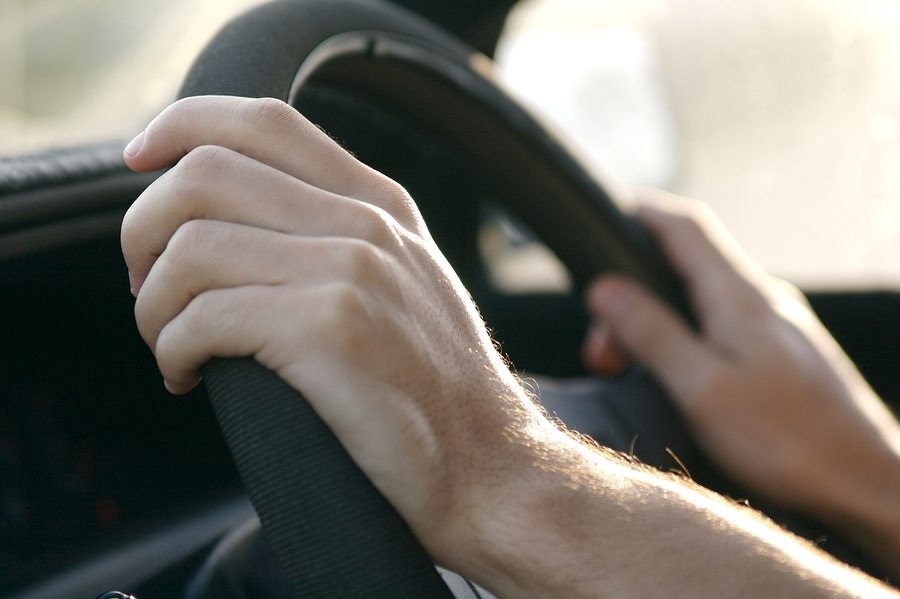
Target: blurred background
[[784, 115]]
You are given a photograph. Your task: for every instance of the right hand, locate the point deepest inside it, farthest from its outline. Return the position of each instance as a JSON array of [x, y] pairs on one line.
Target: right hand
[[267, 239], [767, 391]]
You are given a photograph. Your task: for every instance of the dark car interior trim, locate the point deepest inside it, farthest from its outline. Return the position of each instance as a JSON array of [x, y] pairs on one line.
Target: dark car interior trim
[[133, 563]]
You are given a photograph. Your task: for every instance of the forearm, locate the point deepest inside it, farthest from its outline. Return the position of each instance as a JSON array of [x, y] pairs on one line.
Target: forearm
[[863, 503], [586, 524]]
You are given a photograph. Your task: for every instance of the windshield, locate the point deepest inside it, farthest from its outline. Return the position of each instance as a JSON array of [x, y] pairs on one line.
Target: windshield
[[782, 114]]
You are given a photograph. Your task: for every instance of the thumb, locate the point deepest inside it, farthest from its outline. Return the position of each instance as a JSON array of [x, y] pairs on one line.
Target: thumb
[[653, 335]]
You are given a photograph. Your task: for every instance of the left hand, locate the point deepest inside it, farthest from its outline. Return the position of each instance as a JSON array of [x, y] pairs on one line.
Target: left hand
[[767, 391], [267, 239]]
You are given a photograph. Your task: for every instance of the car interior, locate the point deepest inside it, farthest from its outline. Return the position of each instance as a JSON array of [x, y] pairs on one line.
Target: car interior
[[108, 482]]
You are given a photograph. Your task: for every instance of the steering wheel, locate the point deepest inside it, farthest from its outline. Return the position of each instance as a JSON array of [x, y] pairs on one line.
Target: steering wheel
[[386, 81]]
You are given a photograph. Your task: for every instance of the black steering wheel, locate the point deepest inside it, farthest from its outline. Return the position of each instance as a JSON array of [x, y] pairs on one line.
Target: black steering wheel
[[402, 94]]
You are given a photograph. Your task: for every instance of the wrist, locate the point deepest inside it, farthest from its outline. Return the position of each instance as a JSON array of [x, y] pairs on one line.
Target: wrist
[[571, 521], [528, 526]]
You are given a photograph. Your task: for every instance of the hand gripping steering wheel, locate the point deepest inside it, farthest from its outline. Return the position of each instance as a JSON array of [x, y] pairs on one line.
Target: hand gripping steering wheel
[[356, 66]]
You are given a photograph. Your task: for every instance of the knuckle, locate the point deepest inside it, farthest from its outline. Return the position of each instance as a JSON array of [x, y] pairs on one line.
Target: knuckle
[[788, 302], [146, 323], [790, 291], [269, 113], [344, 313], [690, 210], [394, 198], [144, 317], [380, 228], [189, 238], [690, 221], [204, 160], [699, 211], [691, 218], [363, 261], [204, 311], [130, 234], [748, 300], [186, 181], [139, 219]]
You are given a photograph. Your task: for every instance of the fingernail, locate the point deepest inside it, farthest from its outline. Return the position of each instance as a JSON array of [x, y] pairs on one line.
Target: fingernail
[[601, 352], [134, 146], [131, 284], [593, 344]]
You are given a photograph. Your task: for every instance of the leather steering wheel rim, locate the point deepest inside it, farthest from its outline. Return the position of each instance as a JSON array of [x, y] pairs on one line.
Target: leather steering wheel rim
[[333, 532]]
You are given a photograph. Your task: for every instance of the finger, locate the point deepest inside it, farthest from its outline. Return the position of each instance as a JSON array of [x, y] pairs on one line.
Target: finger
[[214, 183], [286, 328], [717, 271], [655, 336], [600, 353], [224, 323], [265, 129], [205, 255]]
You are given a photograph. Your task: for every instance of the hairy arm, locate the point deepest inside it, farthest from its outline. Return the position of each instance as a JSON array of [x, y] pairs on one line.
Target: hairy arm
[[584, 523], [266, 239]]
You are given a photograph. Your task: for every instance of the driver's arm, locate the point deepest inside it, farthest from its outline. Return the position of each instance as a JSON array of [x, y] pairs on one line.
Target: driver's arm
[[266, 239], [767, 391]]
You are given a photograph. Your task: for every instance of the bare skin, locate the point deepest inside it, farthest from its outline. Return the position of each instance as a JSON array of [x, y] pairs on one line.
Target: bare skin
[[268, 240], [768, 392]]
